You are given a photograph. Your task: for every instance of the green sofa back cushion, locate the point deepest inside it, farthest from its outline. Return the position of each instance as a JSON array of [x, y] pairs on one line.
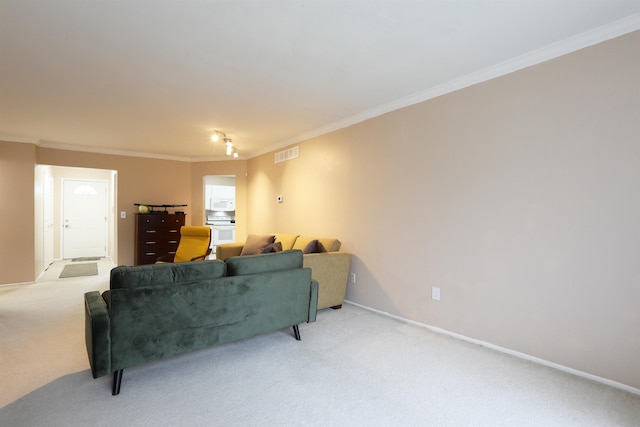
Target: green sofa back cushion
[[263, 263], [161, 274]]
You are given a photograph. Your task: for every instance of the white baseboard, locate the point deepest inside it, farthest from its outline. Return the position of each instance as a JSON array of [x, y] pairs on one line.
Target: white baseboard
[[510, 352], [3, 285]]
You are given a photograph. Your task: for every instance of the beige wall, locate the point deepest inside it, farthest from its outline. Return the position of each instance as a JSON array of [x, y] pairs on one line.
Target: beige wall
[[517, 197], [17, 183]]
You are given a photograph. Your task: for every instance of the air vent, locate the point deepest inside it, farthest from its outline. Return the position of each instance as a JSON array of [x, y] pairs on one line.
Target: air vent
[[291, 153]]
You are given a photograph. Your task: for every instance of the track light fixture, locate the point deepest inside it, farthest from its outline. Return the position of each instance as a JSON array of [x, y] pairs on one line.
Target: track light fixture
[[229, 145], [231, 150]]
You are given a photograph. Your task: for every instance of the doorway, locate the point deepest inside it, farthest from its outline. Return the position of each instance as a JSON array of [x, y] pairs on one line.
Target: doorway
[[54, 241], [220, 208]]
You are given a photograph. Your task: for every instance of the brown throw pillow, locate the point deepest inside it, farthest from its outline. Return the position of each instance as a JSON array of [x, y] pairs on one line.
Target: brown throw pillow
[[314, 247], [274, 247], [255, 243]]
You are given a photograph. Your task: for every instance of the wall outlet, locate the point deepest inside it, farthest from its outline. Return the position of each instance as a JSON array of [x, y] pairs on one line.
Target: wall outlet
[[123, 214], [353, 278], [435, 293]]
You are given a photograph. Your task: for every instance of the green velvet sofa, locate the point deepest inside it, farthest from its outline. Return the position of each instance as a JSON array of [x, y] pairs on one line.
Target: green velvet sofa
[[155, 311]]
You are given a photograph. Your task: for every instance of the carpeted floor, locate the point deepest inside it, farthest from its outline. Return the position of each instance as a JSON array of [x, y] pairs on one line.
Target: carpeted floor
[[353, 367]]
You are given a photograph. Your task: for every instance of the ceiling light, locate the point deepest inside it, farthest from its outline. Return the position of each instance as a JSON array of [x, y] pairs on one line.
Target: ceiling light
[[216, 135]]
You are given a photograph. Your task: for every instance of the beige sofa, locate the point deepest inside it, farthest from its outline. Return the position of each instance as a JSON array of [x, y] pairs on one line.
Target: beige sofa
[[330, 269]]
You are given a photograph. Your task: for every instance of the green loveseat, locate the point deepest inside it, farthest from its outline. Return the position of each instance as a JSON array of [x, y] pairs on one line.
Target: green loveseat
[[155, 311]]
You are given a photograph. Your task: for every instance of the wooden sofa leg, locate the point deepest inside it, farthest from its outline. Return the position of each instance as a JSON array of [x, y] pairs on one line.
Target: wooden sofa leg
[[337, 307], [117, 382], [296, 332]]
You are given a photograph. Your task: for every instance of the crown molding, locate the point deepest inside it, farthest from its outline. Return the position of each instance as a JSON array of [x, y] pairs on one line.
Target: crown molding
[[597, 35], [84, 149], [20, 139]]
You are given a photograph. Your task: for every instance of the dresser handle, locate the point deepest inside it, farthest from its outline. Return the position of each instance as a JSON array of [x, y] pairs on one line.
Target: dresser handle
[[151, 243], [150, 231], [149, 253]]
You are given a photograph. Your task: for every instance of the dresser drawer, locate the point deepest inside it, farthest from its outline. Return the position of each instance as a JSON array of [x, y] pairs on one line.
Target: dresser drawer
[[157, 235], [161, 220], [159, 245], [160, 233]]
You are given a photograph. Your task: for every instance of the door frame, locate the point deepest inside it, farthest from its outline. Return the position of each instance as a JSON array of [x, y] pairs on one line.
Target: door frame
[[48, 218], [60, 172]]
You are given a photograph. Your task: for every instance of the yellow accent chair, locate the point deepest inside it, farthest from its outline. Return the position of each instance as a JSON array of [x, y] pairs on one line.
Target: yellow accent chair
[[195, 242]]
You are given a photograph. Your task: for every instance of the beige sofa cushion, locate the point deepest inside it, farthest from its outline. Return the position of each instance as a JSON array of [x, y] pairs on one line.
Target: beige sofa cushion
[[287, 240], [330, 244], [256, 243]]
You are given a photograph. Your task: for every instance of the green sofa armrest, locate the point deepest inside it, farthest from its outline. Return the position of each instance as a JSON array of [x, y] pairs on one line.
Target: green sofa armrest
[[227, 250], [97, 333], [331, 271]]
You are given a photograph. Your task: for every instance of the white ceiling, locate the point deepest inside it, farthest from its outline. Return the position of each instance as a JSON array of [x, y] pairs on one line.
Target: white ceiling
[[155, 77]]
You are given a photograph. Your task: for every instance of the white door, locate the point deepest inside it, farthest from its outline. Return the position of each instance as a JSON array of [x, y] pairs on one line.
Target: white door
[[84, 227], [48, 219]]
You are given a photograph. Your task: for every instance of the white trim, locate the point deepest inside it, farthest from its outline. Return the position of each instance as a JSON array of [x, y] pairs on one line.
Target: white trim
[[504, 350], [21, 139], [580, 41], [4, 285], [109, 151], [86, 149]]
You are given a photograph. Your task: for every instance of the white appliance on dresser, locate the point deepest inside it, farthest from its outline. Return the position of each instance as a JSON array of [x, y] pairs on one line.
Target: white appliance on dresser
[[223, 230]]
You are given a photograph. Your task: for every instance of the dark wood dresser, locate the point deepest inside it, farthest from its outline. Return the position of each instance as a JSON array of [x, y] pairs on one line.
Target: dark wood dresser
[[156, 235]]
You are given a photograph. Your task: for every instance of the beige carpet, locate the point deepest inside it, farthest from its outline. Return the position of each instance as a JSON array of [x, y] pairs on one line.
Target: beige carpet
[[352, 368]]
